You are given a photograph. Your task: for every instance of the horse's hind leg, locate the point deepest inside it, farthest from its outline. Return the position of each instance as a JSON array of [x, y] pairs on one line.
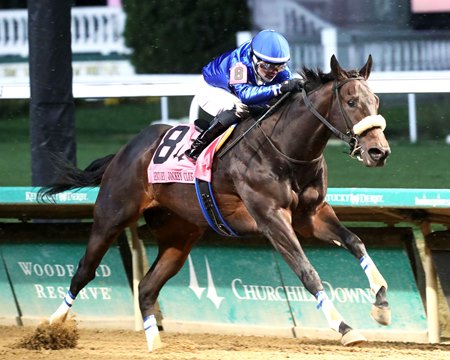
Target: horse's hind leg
[[111, 216], [175, 238], [324, 225]]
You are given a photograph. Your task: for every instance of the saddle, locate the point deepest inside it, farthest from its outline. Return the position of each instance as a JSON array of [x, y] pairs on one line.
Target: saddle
[[205, 195], [170, 165]]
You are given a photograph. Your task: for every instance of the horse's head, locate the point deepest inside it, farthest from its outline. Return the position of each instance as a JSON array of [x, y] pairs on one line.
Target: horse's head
[[355, 106]]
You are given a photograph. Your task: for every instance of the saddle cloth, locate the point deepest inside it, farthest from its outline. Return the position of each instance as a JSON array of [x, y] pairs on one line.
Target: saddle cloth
[[170, 165]]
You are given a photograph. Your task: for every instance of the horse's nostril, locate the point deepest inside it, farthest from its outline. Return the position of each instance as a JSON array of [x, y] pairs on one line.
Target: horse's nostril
[[378, 154]]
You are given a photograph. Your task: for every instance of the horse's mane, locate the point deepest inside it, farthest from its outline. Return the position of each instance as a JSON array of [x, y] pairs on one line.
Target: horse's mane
[[316, 78]]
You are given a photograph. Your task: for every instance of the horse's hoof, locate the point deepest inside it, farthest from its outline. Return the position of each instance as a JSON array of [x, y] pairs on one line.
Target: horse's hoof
[[352, 338], [381, 315], [154, 342], [58, 318]]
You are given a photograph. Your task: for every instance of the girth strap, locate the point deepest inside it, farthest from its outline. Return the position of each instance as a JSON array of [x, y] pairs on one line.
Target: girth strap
[[211, 210]]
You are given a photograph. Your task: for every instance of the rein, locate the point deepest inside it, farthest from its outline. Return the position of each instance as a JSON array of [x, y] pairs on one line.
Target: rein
[[257, 122], [349, 136]]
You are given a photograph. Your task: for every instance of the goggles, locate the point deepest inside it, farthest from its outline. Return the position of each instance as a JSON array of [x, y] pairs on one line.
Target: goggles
[[271, 67]]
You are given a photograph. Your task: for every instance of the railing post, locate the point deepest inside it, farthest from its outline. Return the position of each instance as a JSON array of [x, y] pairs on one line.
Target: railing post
[[431, 289], [412, 118], [194, 110], [330, 47], [242, 37], [164, 109]]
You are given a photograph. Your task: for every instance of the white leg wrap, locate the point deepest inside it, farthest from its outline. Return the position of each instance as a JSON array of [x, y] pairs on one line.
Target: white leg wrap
[[375, 278], [152, 333], [331, 314], [61, 313]]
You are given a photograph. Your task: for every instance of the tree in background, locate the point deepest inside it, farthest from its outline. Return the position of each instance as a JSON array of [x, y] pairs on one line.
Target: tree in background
[[177, 36], [13, 4]]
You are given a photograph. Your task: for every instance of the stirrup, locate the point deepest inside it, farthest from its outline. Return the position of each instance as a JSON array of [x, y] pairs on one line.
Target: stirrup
[[195, 150], [201, 125], [190, 157]]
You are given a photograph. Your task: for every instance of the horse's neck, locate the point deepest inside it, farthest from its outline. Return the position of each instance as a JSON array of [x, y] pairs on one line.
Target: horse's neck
[[298, 133]]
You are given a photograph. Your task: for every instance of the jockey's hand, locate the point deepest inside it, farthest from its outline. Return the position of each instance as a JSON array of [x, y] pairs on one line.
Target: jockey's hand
[[241, 110], [292, 85], [257, 110]]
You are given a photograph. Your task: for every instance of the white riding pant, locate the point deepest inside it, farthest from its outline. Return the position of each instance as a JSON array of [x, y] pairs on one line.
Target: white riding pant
[[215, 100]]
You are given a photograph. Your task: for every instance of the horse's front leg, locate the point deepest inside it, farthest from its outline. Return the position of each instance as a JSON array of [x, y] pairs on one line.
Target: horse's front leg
[[275, 224], [324, 225]]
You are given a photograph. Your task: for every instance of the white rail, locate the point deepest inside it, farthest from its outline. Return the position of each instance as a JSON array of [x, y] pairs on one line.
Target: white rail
[[129, 86], [163, 86], [185, 85]]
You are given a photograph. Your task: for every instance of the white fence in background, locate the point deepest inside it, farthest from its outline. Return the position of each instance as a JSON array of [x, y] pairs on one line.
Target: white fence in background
[[99, 30], [164, 86], [95, 29]]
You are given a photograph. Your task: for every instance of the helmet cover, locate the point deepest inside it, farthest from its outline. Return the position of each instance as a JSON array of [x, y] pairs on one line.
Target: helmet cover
[[270, 46]]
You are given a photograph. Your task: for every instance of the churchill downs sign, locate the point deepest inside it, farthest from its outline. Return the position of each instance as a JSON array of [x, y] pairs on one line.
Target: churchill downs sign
[[252, 286]]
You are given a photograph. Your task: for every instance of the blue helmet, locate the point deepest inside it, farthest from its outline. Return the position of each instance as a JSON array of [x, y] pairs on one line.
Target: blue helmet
[[270, 46]]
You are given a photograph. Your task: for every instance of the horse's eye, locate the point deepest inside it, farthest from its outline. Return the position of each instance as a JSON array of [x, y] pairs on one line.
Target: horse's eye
[[351, 103]]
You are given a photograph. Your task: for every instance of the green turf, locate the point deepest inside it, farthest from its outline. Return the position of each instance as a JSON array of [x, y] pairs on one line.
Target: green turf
[[102, 130], [422, 165]]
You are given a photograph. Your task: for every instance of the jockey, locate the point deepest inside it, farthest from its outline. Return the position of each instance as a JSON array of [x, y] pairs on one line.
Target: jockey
[[242, 80]]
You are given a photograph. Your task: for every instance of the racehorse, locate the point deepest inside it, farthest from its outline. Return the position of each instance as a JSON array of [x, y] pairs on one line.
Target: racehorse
[[272, 183]]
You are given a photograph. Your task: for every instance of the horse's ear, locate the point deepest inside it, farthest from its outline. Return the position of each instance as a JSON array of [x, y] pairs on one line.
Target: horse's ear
[[365, 70], [336, 68]]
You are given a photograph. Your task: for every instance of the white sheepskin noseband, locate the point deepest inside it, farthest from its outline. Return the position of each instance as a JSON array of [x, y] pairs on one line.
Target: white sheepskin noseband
[[369, 122]]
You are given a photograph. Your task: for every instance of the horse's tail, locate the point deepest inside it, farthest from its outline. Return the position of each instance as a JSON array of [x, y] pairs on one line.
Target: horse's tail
[[70, 177]]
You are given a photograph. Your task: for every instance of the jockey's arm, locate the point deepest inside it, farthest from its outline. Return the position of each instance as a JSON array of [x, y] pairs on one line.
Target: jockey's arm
[[251, 94]]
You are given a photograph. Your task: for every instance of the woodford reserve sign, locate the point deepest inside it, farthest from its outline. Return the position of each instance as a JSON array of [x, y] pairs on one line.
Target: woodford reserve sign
[[40, 274]]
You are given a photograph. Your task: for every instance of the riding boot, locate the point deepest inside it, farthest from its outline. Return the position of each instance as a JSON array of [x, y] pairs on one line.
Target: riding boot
[[218, 126]]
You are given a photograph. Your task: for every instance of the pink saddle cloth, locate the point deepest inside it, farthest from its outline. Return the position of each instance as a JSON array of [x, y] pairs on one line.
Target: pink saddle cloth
[[170, 165]]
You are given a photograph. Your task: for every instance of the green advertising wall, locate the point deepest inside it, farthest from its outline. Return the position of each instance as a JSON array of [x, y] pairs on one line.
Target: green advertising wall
[[8, 310], [216, 285], [348, 287], [237, 284], [252, 285], [41, 266]]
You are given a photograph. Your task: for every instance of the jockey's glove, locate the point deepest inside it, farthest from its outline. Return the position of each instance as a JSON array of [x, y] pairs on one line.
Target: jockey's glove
[[257, 110], [292, 85]]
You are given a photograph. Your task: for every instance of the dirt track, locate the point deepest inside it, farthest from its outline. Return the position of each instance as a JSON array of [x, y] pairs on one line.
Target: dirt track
[[110, 345]]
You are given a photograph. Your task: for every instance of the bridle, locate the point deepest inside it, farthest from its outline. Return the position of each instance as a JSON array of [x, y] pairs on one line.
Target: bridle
[[350, 136], [352, 132]]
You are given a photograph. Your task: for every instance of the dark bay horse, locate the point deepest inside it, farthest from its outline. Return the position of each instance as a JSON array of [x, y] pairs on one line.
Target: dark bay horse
[[272, 183]]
